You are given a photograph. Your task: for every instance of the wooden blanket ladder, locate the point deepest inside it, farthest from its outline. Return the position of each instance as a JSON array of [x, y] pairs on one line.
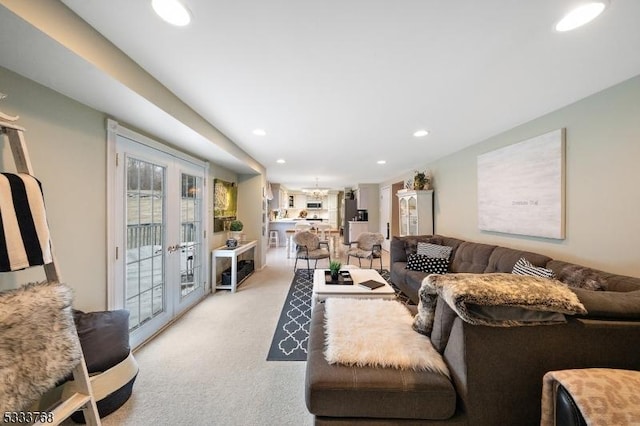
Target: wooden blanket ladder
[[83, 398]]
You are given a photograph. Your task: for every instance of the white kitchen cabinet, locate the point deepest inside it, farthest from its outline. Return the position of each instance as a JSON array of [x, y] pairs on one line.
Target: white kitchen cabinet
[[416, 212], [367, 196], [300, 201], [280, 198], [276, 202], [332, 209], [332, 201]]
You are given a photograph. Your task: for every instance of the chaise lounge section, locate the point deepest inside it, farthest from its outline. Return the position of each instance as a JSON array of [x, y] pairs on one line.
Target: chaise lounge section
[[496, 372]]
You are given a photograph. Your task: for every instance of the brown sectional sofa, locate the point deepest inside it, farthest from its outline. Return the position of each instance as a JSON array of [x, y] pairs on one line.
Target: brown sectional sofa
[[496, 373]]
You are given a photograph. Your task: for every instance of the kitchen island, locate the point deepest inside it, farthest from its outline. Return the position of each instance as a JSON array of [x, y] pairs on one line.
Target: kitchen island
[[281, 226]]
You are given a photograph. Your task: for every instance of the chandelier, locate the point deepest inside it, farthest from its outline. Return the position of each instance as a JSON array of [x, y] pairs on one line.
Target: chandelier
[[316, 192]]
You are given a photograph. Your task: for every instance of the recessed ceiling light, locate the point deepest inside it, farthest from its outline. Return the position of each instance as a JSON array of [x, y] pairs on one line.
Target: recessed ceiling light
[[280, 161], [420, 133], [259, 132], [382, 162], [580, 16], [172, 11]]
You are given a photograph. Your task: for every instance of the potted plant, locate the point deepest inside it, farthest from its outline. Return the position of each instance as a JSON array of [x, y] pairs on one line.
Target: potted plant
[[334, 267], [235, 229], [422, 180]]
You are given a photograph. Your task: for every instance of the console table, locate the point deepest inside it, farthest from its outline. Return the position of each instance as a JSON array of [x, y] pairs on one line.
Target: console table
[[233, 254]]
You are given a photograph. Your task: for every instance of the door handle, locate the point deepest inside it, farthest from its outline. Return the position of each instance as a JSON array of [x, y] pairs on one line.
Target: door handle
[[387, 230]]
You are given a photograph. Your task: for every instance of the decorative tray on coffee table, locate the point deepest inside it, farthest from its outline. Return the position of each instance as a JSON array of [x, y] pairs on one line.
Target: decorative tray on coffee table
[[344, 278]]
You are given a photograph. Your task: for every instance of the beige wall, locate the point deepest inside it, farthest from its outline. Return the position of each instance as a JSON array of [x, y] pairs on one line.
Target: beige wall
[[67, 144], [250, 208], [602, 183]]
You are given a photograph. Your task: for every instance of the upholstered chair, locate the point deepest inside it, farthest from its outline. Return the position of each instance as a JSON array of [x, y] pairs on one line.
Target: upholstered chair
[[309, 246], [368, 246]]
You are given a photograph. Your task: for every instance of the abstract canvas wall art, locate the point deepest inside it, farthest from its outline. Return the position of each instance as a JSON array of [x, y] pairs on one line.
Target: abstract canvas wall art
[[225, 204], [521, 187]]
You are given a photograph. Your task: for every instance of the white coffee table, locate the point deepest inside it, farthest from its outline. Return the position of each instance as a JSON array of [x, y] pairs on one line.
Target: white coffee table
[[321, 290]]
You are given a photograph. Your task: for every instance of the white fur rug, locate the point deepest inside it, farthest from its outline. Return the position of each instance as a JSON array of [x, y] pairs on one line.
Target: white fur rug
[[376, 332]]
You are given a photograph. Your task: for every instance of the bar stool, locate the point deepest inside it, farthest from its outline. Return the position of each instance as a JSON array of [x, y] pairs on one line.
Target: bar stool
[[323, 230], [273, 238], [290, 233], [334, 239]]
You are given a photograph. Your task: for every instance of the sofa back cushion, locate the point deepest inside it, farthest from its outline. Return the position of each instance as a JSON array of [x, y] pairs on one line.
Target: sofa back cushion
[[572, 274], [502, 259], [472, 258], [402, 247], [454, 243], [411, 243]]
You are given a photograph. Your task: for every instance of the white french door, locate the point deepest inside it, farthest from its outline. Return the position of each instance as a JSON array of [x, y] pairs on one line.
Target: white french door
[[160, 264]]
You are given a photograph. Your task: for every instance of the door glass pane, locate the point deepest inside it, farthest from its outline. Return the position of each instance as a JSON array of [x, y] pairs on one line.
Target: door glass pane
[[404, 217], [144, 290], [190, 234], [413, 216]]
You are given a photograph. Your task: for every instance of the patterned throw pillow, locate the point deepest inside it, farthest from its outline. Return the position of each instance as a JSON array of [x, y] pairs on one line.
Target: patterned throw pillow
[[434, 250], [432, 265], [524, 267], [411, 243]]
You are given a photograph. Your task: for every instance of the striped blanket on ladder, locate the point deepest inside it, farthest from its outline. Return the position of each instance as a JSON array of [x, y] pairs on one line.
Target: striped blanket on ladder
[[24, 233]]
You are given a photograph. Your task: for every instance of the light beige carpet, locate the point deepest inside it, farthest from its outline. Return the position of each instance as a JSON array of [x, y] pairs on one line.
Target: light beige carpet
[[210, 368]]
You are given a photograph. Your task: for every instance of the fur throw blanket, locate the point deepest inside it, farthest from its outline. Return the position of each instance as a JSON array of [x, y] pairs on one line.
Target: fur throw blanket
[[39, 345], [499, 300], [378, 333]]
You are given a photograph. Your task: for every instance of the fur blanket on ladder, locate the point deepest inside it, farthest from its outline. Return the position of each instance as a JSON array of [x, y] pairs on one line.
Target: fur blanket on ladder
[[376, 332], [39, 345]]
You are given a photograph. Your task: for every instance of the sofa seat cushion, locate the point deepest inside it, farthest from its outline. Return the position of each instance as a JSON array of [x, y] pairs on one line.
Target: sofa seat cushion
[[371, 392], [398, 272], [414, 280], [610, 305]]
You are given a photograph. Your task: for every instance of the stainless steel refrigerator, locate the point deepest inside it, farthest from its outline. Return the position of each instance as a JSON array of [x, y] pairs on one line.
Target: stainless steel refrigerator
[[350, 211]]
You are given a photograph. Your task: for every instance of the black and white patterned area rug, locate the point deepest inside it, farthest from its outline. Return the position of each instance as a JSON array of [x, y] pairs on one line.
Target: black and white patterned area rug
[[292, 332]]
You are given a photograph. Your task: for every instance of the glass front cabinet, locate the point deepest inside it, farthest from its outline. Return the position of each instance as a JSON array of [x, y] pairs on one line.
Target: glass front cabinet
[[416, 212]]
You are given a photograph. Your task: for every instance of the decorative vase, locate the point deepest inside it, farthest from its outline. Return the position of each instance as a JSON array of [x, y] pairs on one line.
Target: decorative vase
[[418, 183], [334, 275], [236, 235]]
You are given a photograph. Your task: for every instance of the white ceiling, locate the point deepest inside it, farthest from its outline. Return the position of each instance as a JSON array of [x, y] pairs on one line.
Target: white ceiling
[[338, 85]]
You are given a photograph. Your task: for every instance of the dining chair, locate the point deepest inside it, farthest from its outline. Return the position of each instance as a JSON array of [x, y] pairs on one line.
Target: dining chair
[[368, 246], [309, 246]]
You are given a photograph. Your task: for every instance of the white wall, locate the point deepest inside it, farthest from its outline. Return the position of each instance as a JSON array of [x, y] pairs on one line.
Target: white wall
[[602, 183]]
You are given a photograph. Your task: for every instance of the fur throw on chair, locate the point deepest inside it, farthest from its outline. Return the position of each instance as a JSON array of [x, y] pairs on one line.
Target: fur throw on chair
[[39, 345]]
